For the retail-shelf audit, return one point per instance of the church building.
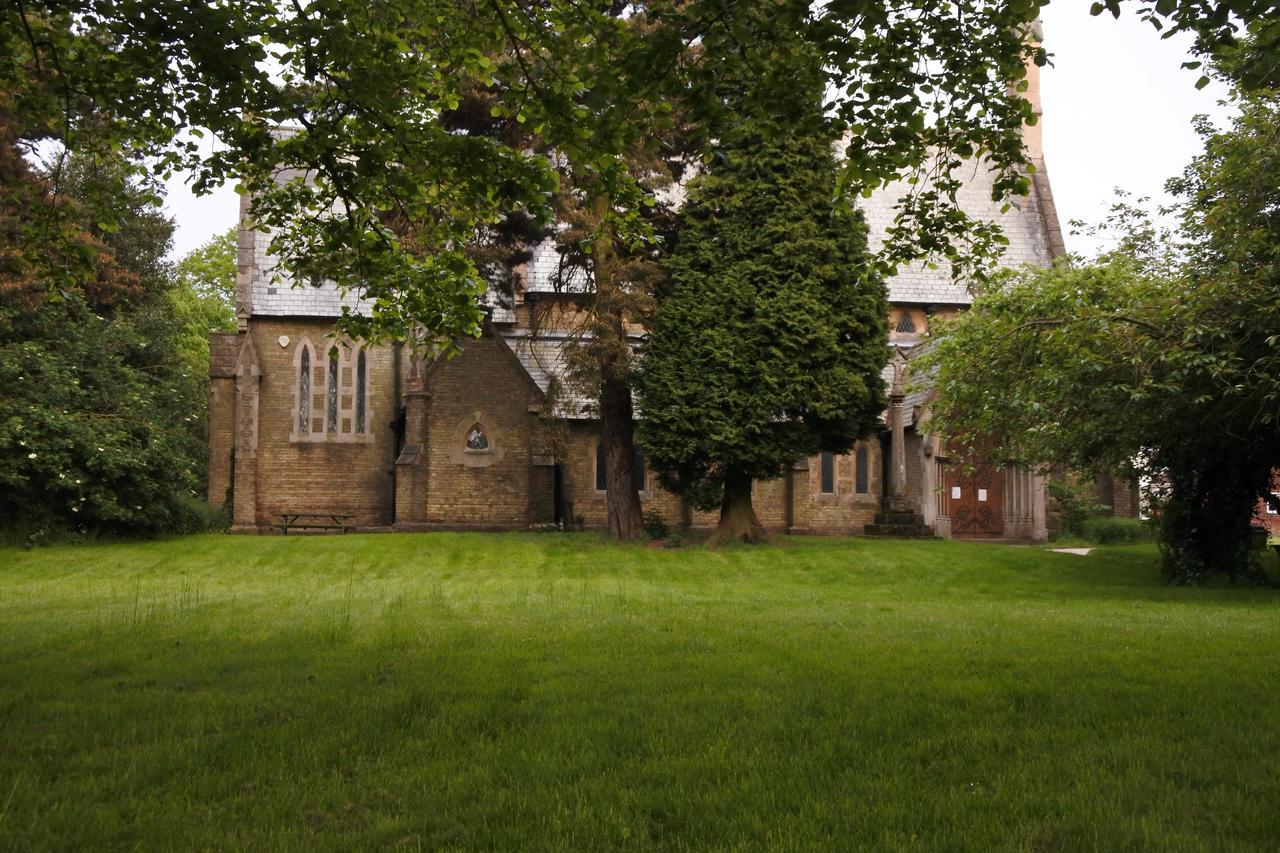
(302, 422)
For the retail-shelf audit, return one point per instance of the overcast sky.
(1117, 113)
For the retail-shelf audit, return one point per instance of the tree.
(362, 86)
(1161, 355)
(203, 297)
(769, 342)
(101, 416)
(345, 107)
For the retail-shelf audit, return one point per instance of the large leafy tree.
(203, 296)
(1161, 355)
(378, 184)
(101, 415)
(769, 342)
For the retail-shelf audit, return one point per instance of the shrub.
(1073, 504)
(1117, 531)
(198, 516)
(655, 525)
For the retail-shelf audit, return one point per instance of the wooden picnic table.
(313, 521)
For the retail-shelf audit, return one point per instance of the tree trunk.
(616, 417)
(738, 522)
(618, 428)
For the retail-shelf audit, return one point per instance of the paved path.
(1079, 552)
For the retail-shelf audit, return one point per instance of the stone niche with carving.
(475, 442)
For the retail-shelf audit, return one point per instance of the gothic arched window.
(304, 390)
(602, 474)
(827, 474)
(637, 469)
(862, 475)
(331, 400)
(905, 324)
(602, 471)
(362, 390)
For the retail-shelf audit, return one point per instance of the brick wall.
(222, 437)
(485, 386)
(578, 475)
(845, 511)
(223, 348)
(1118, 493)
(348, 476)
(915, 468)
(1124, 498)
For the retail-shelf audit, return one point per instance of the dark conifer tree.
(769, 343)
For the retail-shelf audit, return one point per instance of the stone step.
(899, 531)
(899, 518)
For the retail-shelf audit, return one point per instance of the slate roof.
(543, 271)
(1022, 224)
(544, 356)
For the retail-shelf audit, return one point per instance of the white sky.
(1117, 113)
(1117, 110)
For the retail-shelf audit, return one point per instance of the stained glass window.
(861, 476)
(304, 391)
(476, 439)
(828, 474)
(331, 407)
(362, 379)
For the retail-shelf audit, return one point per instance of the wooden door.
(975, 500)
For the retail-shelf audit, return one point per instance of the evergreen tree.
(769, 344)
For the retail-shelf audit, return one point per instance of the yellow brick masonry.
(507, 486)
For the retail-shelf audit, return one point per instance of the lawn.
(557, 692)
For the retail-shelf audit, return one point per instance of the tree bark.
(618, 427)
(738, 522)
(617, 421)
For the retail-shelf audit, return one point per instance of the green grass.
(557, 692)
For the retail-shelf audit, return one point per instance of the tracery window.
(861, 476)
(905, 324)
(304, 390)
(362, 391)
(827, 474)
(331, 401)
